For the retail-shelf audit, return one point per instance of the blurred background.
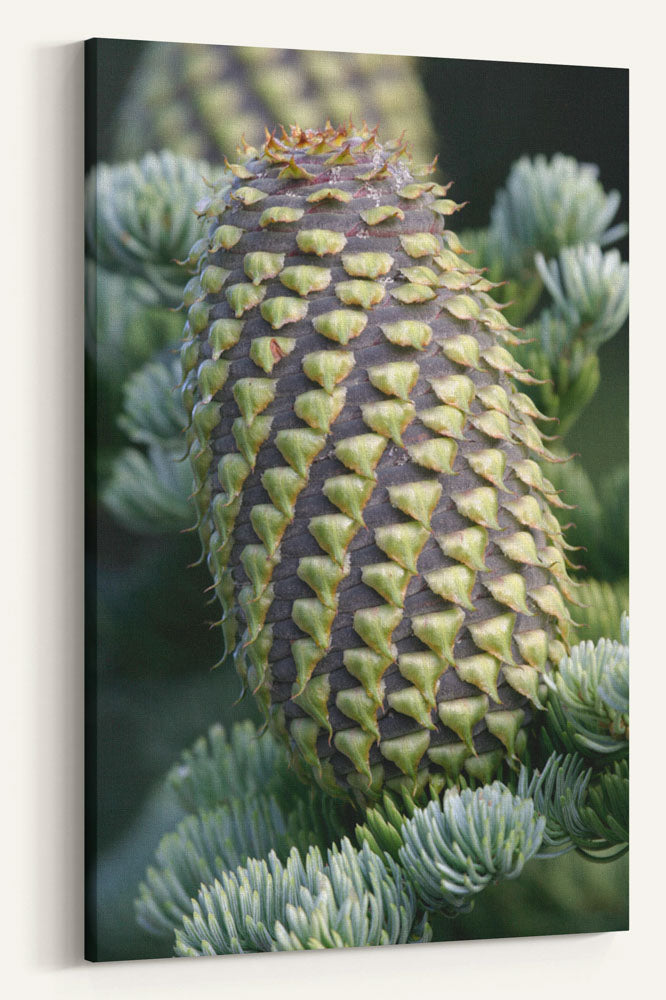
(150, 688)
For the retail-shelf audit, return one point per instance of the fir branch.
(454, 850)
(140, 220)
(547, 229)
(248, 803)
(148, 493)
(590, 292)
(117, 339)
(203, 847)
(153, 412)
(354, 900)
(600, 606)
(548, 205)
(606, 814)
(558, 793)
(578, 712)
(223, 766)
(614, 684)
(584, 811)
(382, 827)
(246, 763)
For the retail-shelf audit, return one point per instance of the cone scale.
(377, 527)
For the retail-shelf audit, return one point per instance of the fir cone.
(379, 532)
(198, 99)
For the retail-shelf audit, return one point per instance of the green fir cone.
(380, 534)
(199, 100)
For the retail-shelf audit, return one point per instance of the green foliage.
(548, 226)
(247, 763)
(353, 900)
(548, 205)
(600, 606)
(244, 802)
(590, 302)
(382, 827)
(126, 326)
(222, 767)
(586, 812)
(614, 497)
(121, 332)
(204, 846)
(597, 526)
(140, 220)
(153, 412)
(607, 815)
(148, 493)
(454, 850)
(589, 705)
(558, 793)
(590, 291)
(614, 683)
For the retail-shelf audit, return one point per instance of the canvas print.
(357, 479)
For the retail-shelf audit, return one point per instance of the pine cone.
(376, 523)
